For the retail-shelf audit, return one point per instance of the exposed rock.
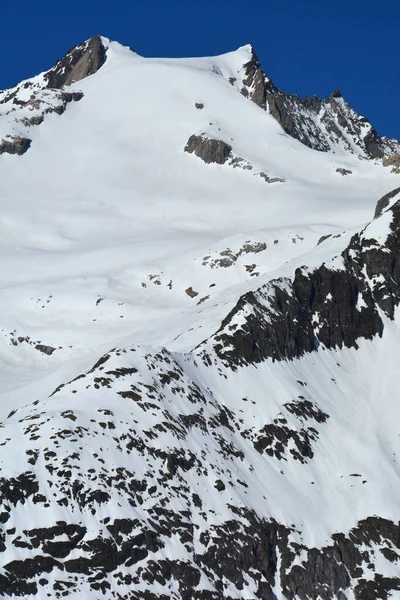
(279, 439)
(79, 62)
(285, 319)
(208, 149)
(343, 171)
(15, 145)
(199, 105)
(45, 349)
(323, 238)
(384, 202)
(237, 162)
(227, 258)
(318, 123)
(36, 120)
(41, 103)
(392, 161)
(190, 292)
(373, 144)
(268, 179)
(250, 268)
(254, 82)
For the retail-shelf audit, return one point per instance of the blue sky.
(306, 47)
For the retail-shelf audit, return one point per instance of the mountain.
(324, 125)
(200, 337)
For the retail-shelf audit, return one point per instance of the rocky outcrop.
(191, 292)
(254, 82)
(15, 145)
(281, 439)
(227, 258)
(385, 201)
(321, 124)
(29, 102)
(79, 62)
(212, 150)
(40, 103)
(328, 306)
(392, 161)
(45, 349)
(208, 149)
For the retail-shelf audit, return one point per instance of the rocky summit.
(200, 336)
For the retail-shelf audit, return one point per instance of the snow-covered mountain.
(200, 336)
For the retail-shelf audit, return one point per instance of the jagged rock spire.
(321, 124)
(254, 84)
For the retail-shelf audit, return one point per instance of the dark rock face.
(191, 292)
(15, 145)
(227, 258)
(326, 306)
(208, 149)
(254, 82)
(323, 574)
(317, 123)
(78, 63)
(384, 202)
(341, 124)
(373, 144)
(45, 349)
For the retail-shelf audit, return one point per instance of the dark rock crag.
(317, 123)
(212, 150)
(327, 306)
(385, 201)
(15, 145)
(79, 62)
(208, 149)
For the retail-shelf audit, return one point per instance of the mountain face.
(325, 125)
(319, 124)
(200, 339)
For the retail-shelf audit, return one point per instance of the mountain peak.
(79, 62)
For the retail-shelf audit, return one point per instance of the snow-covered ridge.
(328, 125)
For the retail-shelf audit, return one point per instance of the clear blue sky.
(307, 47)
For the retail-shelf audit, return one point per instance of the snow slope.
(114, 237)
